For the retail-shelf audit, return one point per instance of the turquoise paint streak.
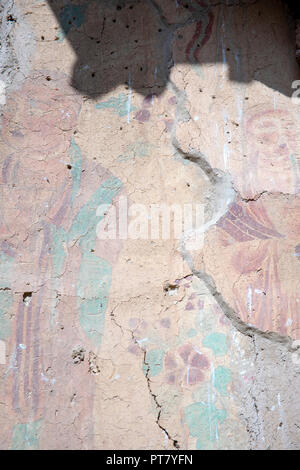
(203, 420)
(59, 238)
(26, 436)
(222, 378)
(6, 301)
(93, 289)
(119, 105)
(95, 273)
(84, 225)
(76, 162)
(139, 149)
(153, 362)
(6, 295)
(217, 343)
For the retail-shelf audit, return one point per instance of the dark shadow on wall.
(137, 42)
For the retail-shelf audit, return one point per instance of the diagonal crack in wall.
(224, 193)
(158, 405)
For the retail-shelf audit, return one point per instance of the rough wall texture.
(147, 344)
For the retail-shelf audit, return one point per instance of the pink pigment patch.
(134, 349)
(165, 322)
(143, 115)
(184, 352)
(172, 100)
(192, 296)
(133, 322)
(168, 124)
(170, 362)
(200, 361)
(189, 306)
(194, 376)
(171, 379)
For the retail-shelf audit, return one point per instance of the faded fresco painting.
(118, 119)
(59, 257)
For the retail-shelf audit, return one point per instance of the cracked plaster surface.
(143, 344)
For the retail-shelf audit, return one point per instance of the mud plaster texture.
(147, 344)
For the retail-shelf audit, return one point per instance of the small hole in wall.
(27, 297)
(42, 38)
(48, 78)
(11, 18)
(170, 289)
(69, 167)
(93, 74)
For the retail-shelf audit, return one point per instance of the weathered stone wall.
(147, 343)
